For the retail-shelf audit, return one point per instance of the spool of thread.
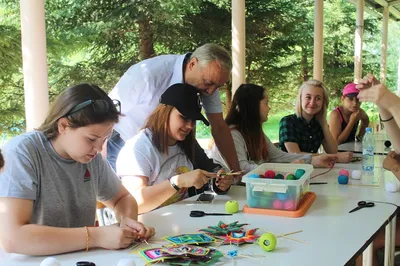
(356, 174)
(267, 241)
(126, 262)
(279, 176)
(343, 180)
(231, 206)
(50, 261)
(387, 143)
(344, 172)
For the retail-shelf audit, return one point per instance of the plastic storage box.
(277, 194)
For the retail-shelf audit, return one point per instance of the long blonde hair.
(312, 83)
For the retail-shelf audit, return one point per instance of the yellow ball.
(231, 206)
(267, 242)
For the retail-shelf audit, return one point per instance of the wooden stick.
(231, 173)
(288, 234)
(295, 240)
(363, 185)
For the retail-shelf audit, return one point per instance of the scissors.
(201, 214)
(362, 204)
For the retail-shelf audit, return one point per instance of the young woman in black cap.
(164, 164)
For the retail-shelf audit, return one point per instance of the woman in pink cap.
(344, 120)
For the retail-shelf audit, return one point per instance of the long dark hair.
(244, 115)
(158, 123)
(72, 97)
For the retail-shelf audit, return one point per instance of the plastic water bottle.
(368, 144)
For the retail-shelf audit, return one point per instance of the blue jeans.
(114, 146)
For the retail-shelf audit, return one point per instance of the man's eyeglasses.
(99, 106)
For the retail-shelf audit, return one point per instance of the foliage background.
(97, 41)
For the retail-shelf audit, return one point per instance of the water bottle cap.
(368, 129)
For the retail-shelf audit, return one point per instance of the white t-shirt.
(139, 157)
(140, 88)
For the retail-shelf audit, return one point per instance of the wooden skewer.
(295, 240)
(288, 234)
(363, 185)
(231, 173)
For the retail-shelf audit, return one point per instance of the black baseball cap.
(186, 99)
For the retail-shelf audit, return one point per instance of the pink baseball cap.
(350, 90)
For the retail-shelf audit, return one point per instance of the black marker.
(318, 183)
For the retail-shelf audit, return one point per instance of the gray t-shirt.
(64, 191)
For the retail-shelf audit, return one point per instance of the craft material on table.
(223, 229)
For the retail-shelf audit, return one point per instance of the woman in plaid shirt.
(307, 129)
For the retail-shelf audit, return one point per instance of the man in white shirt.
(141, 87)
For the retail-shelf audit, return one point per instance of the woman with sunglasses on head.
(55, 175)
(307, 129)
(163, 164)
(248, 111)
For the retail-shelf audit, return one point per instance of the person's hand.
(113, 236)
(355, 116)
(390, 162)
(321, 118)
(324, 160)
(344, 157)
(367, 82)
(143, 231)
(371, 90)
(196, 178)
(223, 182)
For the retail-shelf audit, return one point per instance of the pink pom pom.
(289, 205)
(277, 204)
(344, 172)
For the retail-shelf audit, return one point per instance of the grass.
(271, 127)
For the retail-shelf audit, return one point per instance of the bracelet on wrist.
(87, 238)
(385, 120)
(173, 184)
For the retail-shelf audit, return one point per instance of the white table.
(335, 236)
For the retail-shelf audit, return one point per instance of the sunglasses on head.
(99, 106)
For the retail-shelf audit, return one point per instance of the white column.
(398, 76)
(358, 41)
(238, 44)
(33, 42)
(318, 39)
(385, 22)
(367, 256)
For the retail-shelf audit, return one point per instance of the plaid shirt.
(308, 136)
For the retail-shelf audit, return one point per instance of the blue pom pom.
(299, 173)
(343, 180)
(281, 196)
(253, 175)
